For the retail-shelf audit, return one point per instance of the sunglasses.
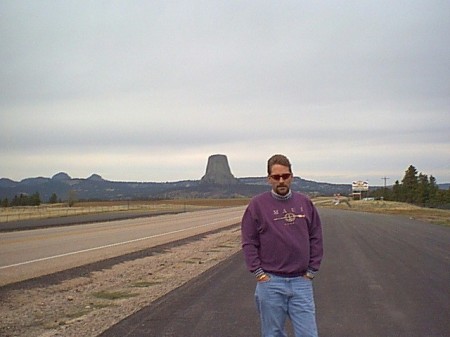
(277, 177)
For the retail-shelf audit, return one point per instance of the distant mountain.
(93, 187)
(305, 186)
(95, 177)
(218, 182)
(5, 182)
(96, 188)
(444, 186)
(61, 176)
(218, 171)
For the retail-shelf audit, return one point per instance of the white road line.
(113, 244)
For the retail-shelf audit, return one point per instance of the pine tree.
(409, 185)
(423, 190)
(34, 200)
(72, 198)
(53, 199)
(433, 192)
(397, 191)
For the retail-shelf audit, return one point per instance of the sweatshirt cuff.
(311, 271)
(258, 272)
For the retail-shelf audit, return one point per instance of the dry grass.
(432, 215)
(436, 216)
(91, 207)
(178, 202)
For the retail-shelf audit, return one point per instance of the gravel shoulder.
(85, 302)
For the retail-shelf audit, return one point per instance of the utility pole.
(384, 191)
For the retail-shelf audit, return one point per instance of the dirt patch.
(88, 305)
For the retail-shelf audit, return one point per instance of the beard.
(282, 189)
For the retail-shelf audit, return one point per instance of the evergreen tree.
(25, 200)
(409, 185)
(53, 199)
(397, 191)
(443, 199)
(433, 192)
(72, 198)
(423, 190)
(18, 200)
(420, 190)
(34, 200)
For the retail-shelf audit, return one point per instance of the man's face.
(280, 178)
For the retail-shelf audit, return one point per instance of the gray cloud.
(348, 89)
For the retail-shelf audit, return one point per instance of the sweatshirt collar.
(281, 197)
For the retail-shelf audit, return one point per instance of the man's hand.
(309, 275)
(263, 278)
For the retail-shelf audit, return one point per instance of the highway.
(382, 275)
(32, 253)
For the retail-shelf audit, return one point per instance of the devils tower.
(218, 171)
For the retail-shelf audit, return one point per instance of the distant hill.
(218, 182)
(444, 186)
(97, 188)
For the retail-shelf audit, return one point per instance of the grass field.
(431, 215)
(157, 206)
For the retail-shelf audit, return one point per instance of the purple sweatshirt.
(282, 236)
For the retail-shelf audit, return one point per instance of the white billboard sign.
(359, 186)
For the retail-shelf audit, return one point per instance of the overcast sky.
(148, 90)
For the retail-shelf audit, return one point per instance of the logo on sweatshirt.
(288, 216)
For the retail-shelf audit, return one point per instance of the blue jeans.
(283, 297)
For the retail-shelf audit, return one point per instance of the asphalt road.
(29, 254)
(382, 275)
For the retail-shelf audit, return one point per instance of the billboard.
(359, 186)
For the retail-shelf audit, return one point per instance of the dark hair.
(280, 160)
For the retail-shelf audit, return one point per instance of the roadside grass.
(208, 202)
(225, 246)
(193, 261)
(73, 315)
(432, 215)
(113, 295)
(45, 211)
(145, 284)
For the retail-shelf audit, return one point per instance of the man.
(282, 245)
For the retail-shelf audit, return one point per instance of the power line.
(384, 190)
(385, 178)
